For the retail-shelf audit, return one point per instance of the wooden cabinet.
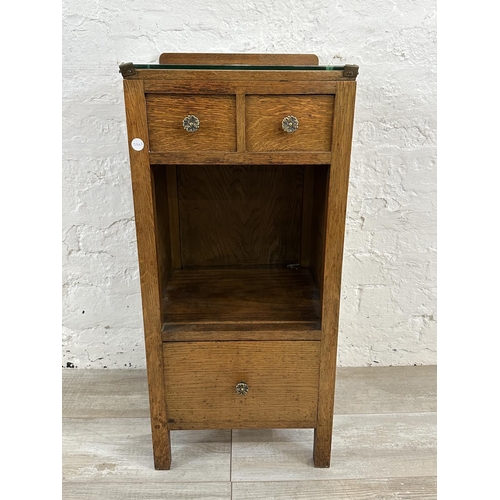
(240, 177)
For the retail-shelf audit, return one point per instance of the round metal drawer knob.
(242, 388)
(290, 124)
(191, 123)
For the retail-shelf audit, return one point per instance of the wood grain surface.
(239, 215)
(233, 75)
(217, 115)
(201, 379)
(237, 158)
(264, 115)
(172, 196)
(264, 331)
(233, 295)
(243, 86)
(163, 220)
(318, 223)
(147, 248)
(240, 122)
(338, 182)
(307, 217)
(251, 59)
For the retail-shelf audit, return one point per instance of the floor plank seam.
(353, 479)
(195, 481)
(389, 478)
(385, 413)
(231, 459)
(427, 412)
(336, 414)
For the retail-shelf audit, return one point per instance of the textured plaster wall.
(388, 313)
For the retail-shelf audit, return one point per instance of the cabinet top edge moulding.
(240, 170)
(274, 67)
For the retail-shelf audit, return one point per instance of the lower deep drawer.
(201, 380)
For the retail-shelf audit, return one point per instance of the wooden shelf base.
(240, 304)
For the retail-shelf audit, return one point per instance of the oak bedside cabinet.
(240, 170)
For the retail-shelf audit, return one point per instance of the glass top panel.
(238, 67)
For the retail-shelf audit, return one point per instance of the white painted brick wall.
(388, 314)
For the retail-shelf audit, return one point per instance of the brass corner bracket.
(127, 69)
(351, 71)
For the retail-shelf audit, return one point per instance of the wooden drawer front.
(201, 377)
(217, 116)
(264, 116)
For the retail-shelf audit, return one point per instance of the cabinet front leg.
(322, 444)
(162, 451)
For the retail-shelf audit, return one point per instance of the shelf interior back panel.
(240, 215)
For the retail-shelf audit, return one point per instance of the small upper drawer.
(264, 122)
(214, 129)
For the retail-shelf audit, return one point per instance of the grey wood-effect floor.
(384, 444)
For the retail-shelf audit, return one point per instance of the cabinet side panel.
(307, 210)
(338, 182)
(240, 215)
(173, 212)
(162, 225)
(318, 224)
(145, 218)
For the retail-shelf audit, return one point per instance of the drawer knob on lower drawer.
(242, 388)
(290, 124)
(191, 123)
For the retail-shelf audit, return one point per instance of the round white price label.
(137, 144)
